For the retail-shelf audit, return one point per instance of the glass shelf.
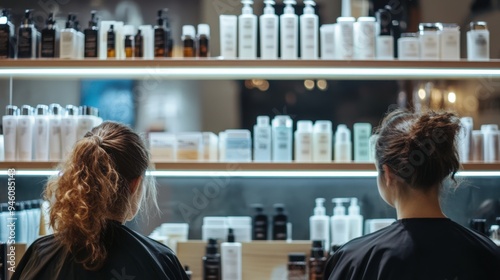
(258, 170)
(219, 69)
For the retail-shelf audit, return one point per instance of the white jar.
(478, 41)
(449, 36)
(429, 41)
(408, 47)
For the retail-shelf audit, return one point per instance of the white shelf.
(218, 69)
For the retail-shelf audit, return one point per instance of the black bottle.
(111, 41)
(7, 36)
(260, 223)
(161, 35)
(317, 261)
(50, 36)
(139, 44)
(479, 225)
(92, 38)
(280, 220)
(28, 37)
(212, 262)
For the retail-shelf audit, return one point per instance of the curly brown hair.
(94, 188)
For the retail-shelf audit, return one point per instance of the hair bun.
(440, 128)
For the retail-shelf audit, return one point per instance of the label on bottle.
(346, 40)
(91, 43)
(279, 230)
(211, 269)
(385, 47)
(5, 41)
(429, 46)
(269, 38)
(48, 44)
(160, 42)
(68, 44)
(139, 47)
(309, 37)
(305, 144)
(365, 40)
(317, 269)
(327, 45)
(25, 43)
(260, 229)
(111, 40)
(408, 48)
(481, 45)
(247, 38)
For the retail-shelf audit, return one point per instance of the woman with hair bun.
(415, 153)
(102, 185)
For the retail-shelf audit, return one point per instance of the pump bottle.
(231, 258)
(247, 33)
(69, 40)
(50, 36)
(41, 133)
(355, 220)
(7, 36)
(25, 124)
(188, 39)
(317, 261)
(161, 35)
(269, 32)
(260, 223)
(339, 222)
(28, 37)
(319, 224)
(309, 29)
(289, 26)
(91, 48)
(280, 220)
(55, 111)
(212, 262)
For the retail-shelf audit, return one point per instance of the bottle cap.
(354, 207)
(93, 19)
(50, 20)
(426, 27)
(409, 35)
(42, 110)
(478, 25)
(320, 210)
(204, 29)
(367, 19)
(288, 7)
(346, 19)
(280, 207)
(259, 208)
(317, 249)
(4, 207)
(304, 126)
(343, 134)
(230, 235)
(129, 40)
(55, 109)
(296, 257)
(211, 246)
(309, 8)
(11, 110)
(188, 31)
(282, 120)
(35, 204)
(26, 110)
(247, 9)
(71, 110)
(323, 126)
(339, 209)
(262, 121)
(269, 9)
(85, 110)
(19, 206)
(449, 26)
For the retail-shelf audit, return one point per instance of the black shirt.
(130, 256)
(417, 249)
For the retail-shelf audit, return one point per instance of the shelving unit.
(219, 69)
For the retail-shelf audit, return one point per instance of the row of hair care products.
(479, 145)
(45, 133)
(20, 221)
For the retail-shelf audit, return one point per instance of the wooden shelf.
(221, 166)
(220, 69)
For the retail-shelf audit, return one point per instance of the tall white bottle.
(319, 224)
(309, 30)
(269, 32)
(25, 123)
(86, 121)
(69, 40)
(322, 141)
(247, 32)
(355, 220)
(304, 141)
(41, 133)
(231, 258)
(339, 222)
(343, 144)
(289, 27)
(55, 111)
(282, 139)
(9, 123)
(262, 140)
(69, 125)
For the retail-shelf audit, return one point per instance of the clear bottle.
(343, 144)
(322, 141)
(69, 125)
(41, 133)
(289, 26)
(280, 220)
(262, 140)
(304, 141)
(297, 266)
(339, 222)
(9, 124)
(355, 220)
(317, 261)
(478, 41)
(309, 29)
(25, 124)
(7, 36)
(319, 224)
(91, 34)
(429, 41)
(259, 223)
(50, 39)
(28, 37)
(55, 111)
(188, 39)
(203, 49)
(231, 258)
(212, 262)
(247, 33)
(282, 139)
(269, 32)
(362, 133)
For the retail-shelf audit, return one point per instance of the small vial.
(129, 46)
(188, 37)
(111, 42)
(139, 44)
(203, 40)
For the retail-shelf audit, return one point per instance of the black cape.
(417, 249)
(131, 256)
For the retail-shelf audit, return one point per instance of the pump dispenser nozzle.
(309, 8)
(269, 9)
(339, 208)
(320, 210)
(288, 6)
(354, 207)
(247, 9)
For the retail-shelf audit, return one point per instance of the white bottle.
(429, 41)
(41, 133)
(4, 215)
(465, 138)
(408, 47)
(231, 258)
(269, 32)
(344, 38)
(55, 111)
(21, 216)
(25, 124)
(282, 139)
(222, 146)
(322, 141)
(289, 30)
(69, 125)
(304, 141)
(9, 123)
(478, 41)
(319, 224)
(449, 36)
(238, 145)
(309, 29)
(355, 220)
(69, 40)
(247, 32)
(262, 140)
(343, 144)
(362, 133)
(364, 38)
(339, 222)
(86, 121)
(490, 142)
(327, 36)
(228, 36)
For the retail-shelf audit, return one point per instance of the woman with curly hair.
(101, 186)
